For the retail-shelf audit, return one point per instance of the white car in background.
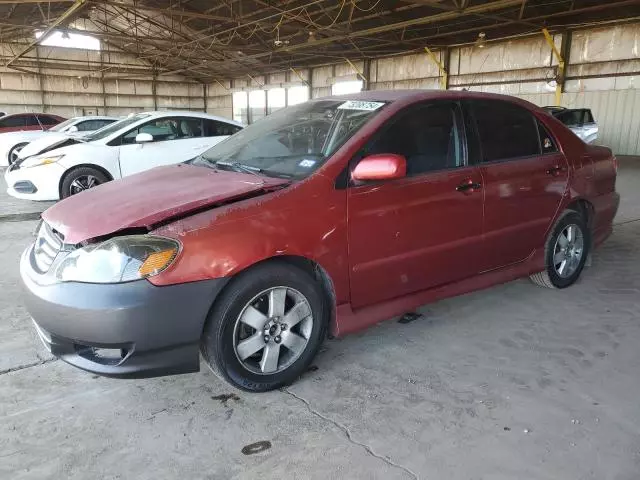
(134, 144)
(12, 143)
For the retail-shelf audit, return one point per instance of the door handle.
(469, 186)
(555, 171)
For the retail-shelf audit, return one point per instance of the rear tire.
(246, 328)
(566, 251)
(80, 179)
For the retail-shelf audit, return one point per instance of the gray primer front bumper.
(158, 329)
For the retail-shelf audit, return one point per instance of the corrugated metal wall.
(71, 91)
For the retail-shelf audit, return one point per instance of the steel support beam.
(561, 65)
(444, 74)
(357, 70)
(65, 17)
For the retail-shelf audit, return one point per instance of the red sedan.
(28, 121)
(325, 217)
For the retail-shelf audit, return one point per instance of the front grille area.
(48, 244)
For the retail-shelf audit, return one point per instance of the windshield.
(114, 127)
(62, 125)
(292, 142)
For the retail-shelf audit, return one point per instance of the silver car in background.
(579, 120)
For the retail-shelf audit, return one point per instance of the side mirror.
(384, 166)
(73, 129)
(144, 138)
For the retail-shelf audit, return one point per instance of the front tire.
(566, 252)
(80, 179)
(266, 327)
(13, 153)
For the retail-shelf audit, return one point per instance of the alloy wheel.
(273, 330)
(84, 182)
(568, 251)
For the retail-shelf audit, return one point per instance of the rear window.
(32, 121)
(91, 125)
(570, 117)
(588, 117)
(47, 120)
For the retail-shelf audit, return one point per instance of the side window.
(164, 129)
(189, 127)
(47, 120)
(506, 131)
(547, 143)
(214, 128)
(12, 122)
(427, 136)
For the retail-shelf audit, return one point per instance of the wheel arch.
(13, 147)
(314, 269)
(585, 208)
(100, 169)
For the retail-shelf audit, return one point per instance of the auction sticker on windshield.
(360, 105)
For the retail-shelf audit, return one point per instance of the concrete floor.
(511, 382)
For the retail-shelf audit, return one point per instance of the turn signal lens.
(156, 262)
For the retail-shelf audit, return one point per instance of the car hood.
(149, 198)
(47, 142)
(17, 136)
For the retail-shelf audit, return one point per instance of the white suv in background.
(132, 145)
(12, 143)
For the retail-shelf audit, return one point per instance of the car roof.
(94, 117)
(187, 113)
(410, 96)
(22, 114)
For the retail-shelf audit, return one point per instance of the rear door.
(424, 230)
(525, 177)
(175, 140)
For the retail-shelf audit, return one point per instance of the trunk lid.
(151, 197)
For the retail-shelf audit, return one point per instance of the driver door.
(175, 140)
(424, 230)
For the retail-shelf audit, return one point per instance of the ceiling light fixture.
(481, 41)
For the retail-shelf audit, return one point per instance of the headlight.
(118, 260)
(37, 161)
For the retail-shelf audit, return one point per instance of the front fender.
(306, 220)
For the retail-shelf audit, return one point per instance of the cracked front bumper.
(131, 329)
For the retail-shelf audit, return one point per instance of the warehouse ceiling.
(215, 40)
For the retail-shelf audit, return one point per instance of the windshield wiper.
(241, 167)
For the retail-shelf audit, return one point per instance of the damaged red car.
(321, 219)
